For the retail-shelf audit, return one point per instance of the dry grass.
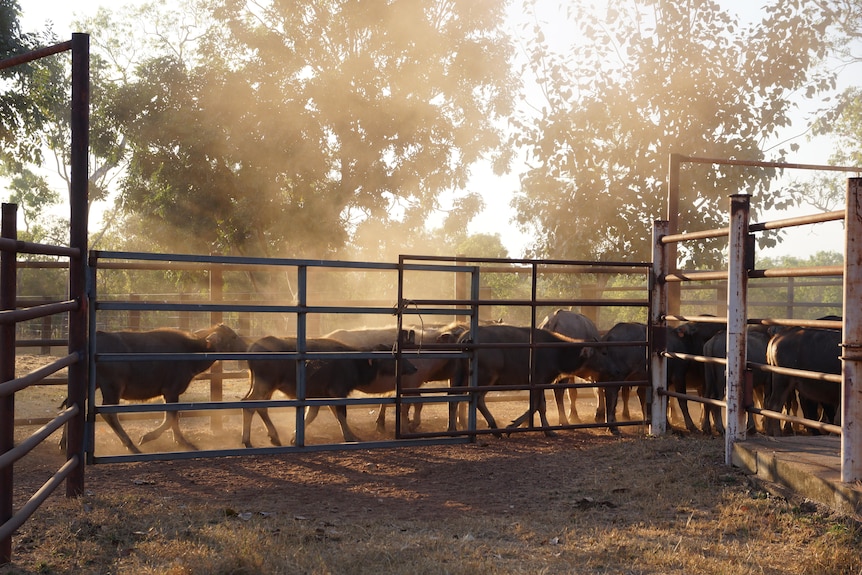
(638, 505)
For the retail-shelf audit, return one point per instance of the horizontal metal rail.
(797, 221)
(18, 315)
(38, 437)
(819, 425)
(832, 378)
(29, 508)
(761, 164)
(35, 55)
(19, 383)
(18, 246)
(815, 323)
(797, 272)
(704, 234)
(202, 262)
(438, 439)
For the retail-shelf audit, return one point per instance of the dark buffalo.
(616, 364)
(576, 326)
(715, 375)
(683, 375)
(809, 349)
(143, 380)
(325, 378)
(511, 366)
(427, 369)
(621, 363)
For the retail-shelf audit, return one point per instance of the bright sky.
(496, 191)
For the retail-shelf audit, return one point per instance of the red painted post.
(78, 212)
(851, 389)
(8, 286)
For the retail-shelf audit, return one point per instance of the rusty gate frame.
(740, 269)
(76, 306)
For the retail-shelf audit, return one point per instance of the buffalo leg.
(380, 422)
(486, 413)
(777, 399)
(573, 406)
(114, 422)
(172, 421)
(601, 408)
(537, 403)
(340, 412)
(612, 393)
(559, 398)
(414, 424)
(248, 415)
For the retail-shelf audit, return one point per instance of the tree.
(294, 123)
(646, 79)
(15, 114)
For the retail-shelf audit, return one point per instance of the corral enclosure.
(422, 296)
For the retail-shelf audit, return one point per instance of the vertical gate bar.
(534, 397)
(301, 327)
(8, 286)
(399, 325)
(473, 361)
(92, 298)
(737, 290)
(657, 312)
(851, 389)
(78, 215)
(216, 369)
(460, 287)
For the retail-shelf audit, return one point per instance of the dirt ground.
(435, 480)
(581, 502)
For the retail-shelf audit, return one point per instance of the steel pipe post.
(851, 389)
(737, 297)
(658, 310)
(78, 216)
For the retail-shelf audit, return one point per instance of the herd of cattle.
(565, 345)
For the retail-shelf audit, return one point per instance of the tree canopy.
(643, 79)
(285, 129)
(322, 128)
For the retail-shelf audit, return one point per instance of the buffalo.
(715, 375)
(332, 378)
(809, 349)
(143, 380)
(576, 326)
(511, 366)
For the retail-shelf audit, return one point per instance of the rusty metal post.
(737, 296)
(78, 216)
(658, 309)
(851, 388)
(8, 286)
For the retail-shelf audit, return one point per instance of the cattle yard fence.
(75, 307)
(740, 270)
(656, 300)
